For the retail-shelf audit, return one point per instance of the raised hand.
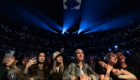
(31, 62)
(9, 62)
(116, 72)
(108, 68)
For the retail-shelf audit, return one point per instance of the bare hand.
(83, 77)
(108, 68)
(9, 62)
(116, 72)
(24, 61)
(89, 78)
(31, 62)
(31, 78)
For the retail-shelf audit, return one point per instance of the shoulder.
(131, 66)
(20, 67)
(101, 63)
(72, 64)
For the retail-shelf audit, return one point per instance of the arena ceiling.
(72, 16)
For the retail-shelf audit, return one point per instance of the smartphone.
(9, 54)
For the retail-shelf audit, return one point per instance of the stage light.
(116, 46)
(79, 31)
(62, 32)
(109, 49)
(109, 22)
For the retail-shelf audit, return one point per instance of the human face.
(59, 59)
(41, 57)
(121, 57)
(112, 58)
(79, 55)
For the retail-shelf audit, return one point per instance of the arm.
(67, 73)
(30, 63)
(101, 63)
(136, 73)
(127, 75)
(108, 68)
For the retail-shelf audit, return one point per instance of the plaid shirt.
(74, 70)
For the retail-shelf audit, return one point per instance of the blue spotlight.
(124, 22)
(79, 31)
(64, 29)
(109, 49)
(55, 32)
(116, 46)
(63, 32)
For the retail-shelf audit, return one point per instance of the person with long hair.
(34, 69)
(57, 69)
(107, 72)
(126, 66)
(79, 70)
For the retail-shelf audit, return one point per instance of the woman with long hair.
(57, 69)
(34, 69)
(107, 72)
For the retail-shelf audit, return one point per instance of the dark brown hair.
(35, 67)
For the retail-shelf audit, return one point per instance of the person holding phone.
(34, 69)
(108, 72)
(10, 64)
(79, 70)
(57, 68)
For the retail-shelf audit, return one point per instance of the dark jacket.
(54, 76)
(4, 71)
(27, 76)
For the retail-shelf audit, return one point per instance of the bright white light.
(116, 46)
(109, 49)
(79, 31)
(62, 32)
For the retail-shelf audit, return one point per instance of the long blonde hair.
(53, 70)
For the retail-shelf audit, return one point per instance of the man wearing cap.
(79, 70)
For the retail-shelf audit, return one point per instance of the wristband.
(107, 75)
(121, 76)
(74, 77)
(112, 69)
